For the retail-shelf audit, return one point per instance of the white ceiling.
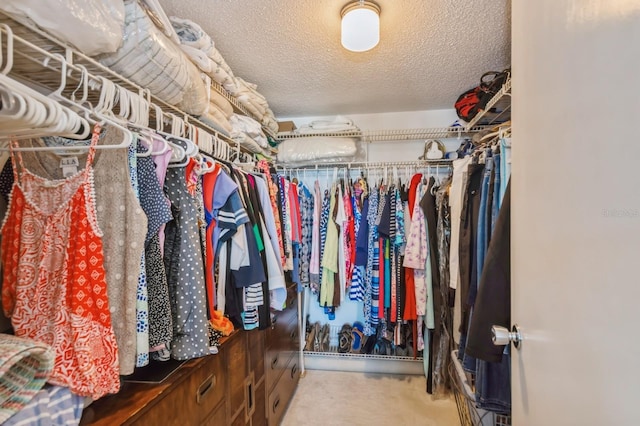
(430, 51)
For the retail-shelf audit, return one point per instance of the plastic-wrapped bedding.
(319, 149)
(93, 26)
(150, 59)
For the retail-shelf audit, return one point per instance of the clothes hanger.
(35, 114)
(40, 112)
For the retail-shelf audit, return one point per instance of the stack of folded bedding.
(150, 59)
(199, 46)
(218, 113)
(248, 132)
(215, 118)
(222, 103)
(338, 124)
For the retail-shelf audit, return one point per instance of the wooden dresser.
(282, 362)
(249, 382)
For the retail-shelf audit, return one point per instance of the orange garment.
(54, 279)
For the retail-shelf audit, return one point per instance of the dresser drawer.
(275, 363)
(281, 395)
(196, 397)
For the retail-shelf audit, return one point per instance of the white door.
(576, 212)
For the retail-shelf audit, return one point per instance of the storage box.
(286, 126)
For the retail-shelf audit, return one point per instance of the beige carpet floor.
(327, 398)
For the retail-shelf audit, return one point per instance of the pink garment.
(162, 162)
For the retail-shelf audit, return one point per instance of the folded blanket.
(249, 143)
(315, 148)
(221, 102)
(250, 127)
(216, 119)
(25, 366)
(269, 121)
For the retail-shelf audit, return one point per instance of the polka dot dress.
(185, 271)
(158, 213)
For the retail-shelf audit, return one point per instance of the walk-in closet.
(323, 212)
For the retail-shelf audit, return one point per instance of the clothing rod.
(367, 165)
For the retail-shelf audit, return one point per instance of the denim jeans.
(483, 232)
(493, 385)
(468, 362)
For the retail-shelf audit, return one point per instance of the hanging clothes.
(123, 224)
(48, 219)
(158, 208)
(158, 212)
(185, 271)
(142, 303)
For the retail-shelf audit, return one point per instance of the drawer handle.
(208, 384)
(274, 362)
(275, 404)
(294, 370)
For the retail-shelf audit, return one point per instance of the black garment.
(468, 236)
(265, 309)
(428, 206)
(493, 303)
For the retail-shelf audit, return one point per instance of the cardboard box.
(286, 126)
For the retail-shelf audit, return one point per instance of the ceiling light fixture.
(360, 26)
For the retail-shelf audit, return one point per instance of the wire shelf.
(391, 135)
(38, 59)
(501, 100)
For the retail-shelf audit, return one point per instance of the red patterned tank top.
(54, 280)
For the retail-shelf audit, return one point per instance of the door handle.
(501, 336)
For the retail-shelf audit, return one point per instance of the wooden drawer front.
(259, 417)
(189, 402)
(292, 374)
(275, 363)
(293, 336)
(218, 417)
(276, 405)
(235, 352)
(280, 397)
(256, 353)
(211, 390)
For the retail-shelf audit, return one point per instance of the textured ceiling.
(429, 52)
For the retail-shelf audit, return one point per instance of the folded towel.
(25, 366)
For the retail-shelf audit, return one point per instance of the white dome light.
(360, 26)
